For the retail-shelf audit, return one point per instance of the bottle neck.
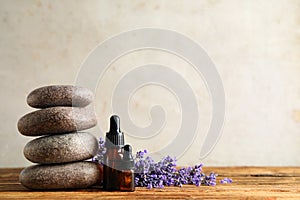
(114, 139)
(114, 152)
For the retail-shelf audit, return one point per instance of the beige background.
(254, 44)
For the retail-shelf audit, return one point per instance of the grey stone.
(61, 148)
(60, 95)
(61, 176)
(56, 120)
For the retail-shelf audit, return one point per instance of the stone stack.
(62, 147)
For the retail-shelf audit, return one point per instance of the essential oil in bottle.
(114, 155)
(126, 176)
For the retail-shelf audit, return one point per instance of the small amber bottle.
(114, 155)
(126, 176)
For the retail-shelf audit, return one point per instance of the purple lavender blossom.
(101, 151)
(164, 173)
(226, 181)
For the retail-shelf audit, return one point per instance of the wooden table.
(249, 183)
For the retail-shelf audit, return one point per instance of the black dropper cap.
(128, 162)
(115, 136)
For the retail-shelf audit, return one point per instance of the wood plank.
(249, 182)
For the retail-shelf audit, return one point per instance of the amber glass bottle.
(126, 176)
(114, 155)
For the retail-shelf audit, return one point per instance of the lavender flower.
(226, 181)
(164, 173)
(101, 151)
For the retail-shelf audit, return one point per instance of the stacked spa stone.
(62, 148)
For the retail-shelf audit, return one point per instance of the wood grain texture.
(249, 183)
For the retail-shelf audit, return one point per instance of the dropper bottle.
(127, 173)
(114, 155)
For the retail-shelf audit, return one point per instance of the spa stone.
(56, 120)
(63, 148)
(61, 176)
(60, 95)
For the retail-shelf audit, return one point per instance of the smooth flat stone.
(60, 95)
(61, 148)
(56, 120)
(61, 176)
